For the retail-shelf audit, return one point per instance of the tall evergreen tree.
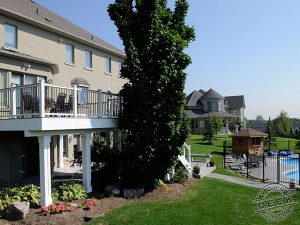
(153, 99)
(270, 140)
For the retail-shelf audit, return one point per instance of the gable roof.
(30, 12)
(191, 99)
(235, 101)
(211, 94)
(202, 91)
(249, 132)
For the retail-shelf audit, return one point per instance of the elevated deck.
(45, 107)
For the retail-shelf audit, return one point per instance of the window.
(70, 53)
(202, 125)
(10, 36)
(209, 106)
(215, 106)
(107, 65)
(88, 59)
(119, 68)
(256, 141)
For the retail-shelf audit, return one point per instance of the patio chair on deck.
(27, 102)
(60, 103)
(30, 104)
(69, 106)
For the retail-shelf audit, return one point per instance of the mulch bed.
(103, 205)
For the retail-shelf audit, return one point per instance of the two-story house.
(201, 105)
(59, 84)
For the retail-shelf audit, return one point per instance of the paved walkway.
(236, 180)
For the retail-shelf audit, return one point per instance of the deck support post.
(45, 170)
(61, 152)
(86, 162)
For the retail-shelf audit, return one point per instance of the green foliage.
(55, 195)
(233, 123)
(212, 127)
(8, 195)
(282, 124)
(217, 123)
(181, 174)
(106, 166)
(154, 37)
(270, 140)
(159, 184)
(106, 163)
(70, 192)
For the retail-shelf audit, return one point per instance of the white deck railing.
(47, 100)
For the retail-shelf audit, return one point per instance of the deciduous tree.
(155, 38)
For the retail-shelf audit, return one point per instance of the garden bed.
(103, 205)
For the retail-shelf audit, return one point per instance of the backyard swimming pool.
(294, 163)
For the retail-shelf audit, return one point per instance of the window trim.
(16, 33)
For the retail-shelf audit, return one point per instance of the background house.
(200, 105)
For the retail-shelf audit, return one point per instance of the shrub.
(181, 174)
(74, 191)
(28, 193)
(159, 184)
(211, 163)
(106, 163)
(55, 195)
(196, 170)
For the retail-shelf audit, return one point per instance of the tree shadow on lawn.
(217, 153)
(204, 143)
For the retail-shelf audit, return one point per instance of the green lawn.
(209, 201)
(284, 143)
(198, 146)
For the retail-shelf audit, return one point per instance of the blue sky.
(249, 47)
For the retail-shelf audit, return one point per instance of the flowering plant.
(56, 208)
(90, 203)
(50, 103)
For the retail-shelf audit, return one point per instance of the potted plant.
(211, 163)
(196, 172)
(49, 104)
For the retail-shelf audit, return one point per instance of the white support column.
(61, 152)
(42, 98)
(13, 103)
(75, 101)
(45, 170)
(86, 161)
(99, 103)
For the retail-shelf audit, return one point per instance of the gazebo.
(248, 141)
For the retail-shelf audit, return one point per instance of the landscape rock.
(17, 211)
(131, 193)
